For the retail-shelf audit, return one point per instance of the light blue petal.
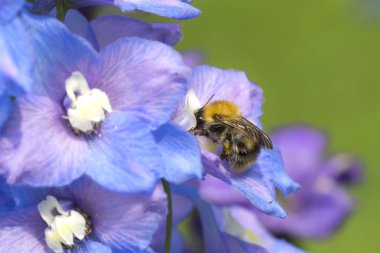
(231, 85)
(145, 77)
(9, 8)
(23, 232)
(180, 153)
(124, 156)
(253, 183)
(271, 165)
(90, 246)
(60, 53)
(168, 8)
(37, 147)
(124, 222)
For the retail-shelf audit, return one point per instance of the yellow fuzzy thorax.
(223, 108)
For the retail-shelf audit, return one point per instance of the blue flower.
(176, 145)
(319, 209)
(176, 9)
(258, 183)
(83, 216)
(94, 114)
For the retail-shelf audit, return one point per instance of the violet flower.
(94, 114)
(257, 183)
(83, 217)
(322, 205)
(176, 9)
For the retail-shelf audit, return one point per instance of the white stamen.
(63, 226)
(88, 106)
(186, 118)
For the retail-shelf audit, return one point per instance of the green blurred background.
(318, 63)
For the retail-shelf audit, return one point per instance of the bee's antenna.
(208, 101)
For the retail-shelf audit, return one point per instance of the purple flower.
(258, 183)
(322, 204)
(94, 114)
(176, 9)
(82, 217)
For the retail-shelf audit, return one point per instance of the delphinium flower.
(15, 55)
(176, 9)
(258, 182)
(176, 145)
(94, 114)
(82, 217)
(322, 205)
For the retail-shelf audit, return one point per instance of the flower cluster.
(97, 152)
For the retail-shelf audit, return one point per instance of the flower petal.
(108, 29)
(23, 232)
(251, 227)
(306, 209)
(229, 85)
(150, 75)
(271, 165)
(38, 148)
(302, 149)
(215, 239)
(9, 8)
(5, 107)
(253, 183)
(16, 57)
(176, 9)
(90, 246)
(121, 221)
(344, 168)
(124, 157)
(60, 53)
(180, 153)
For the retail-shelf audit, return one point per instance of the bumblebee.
(221, 121)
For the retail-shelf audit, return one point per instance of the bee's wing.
(247, 128)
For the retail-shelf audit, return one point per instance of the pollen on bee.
(223, 108)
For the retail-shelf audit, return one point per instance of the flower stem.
(61, 10)
(169, 217)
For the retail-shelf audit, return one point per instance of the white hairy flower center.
(63, 225)
(88, 106)
(186, 119)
